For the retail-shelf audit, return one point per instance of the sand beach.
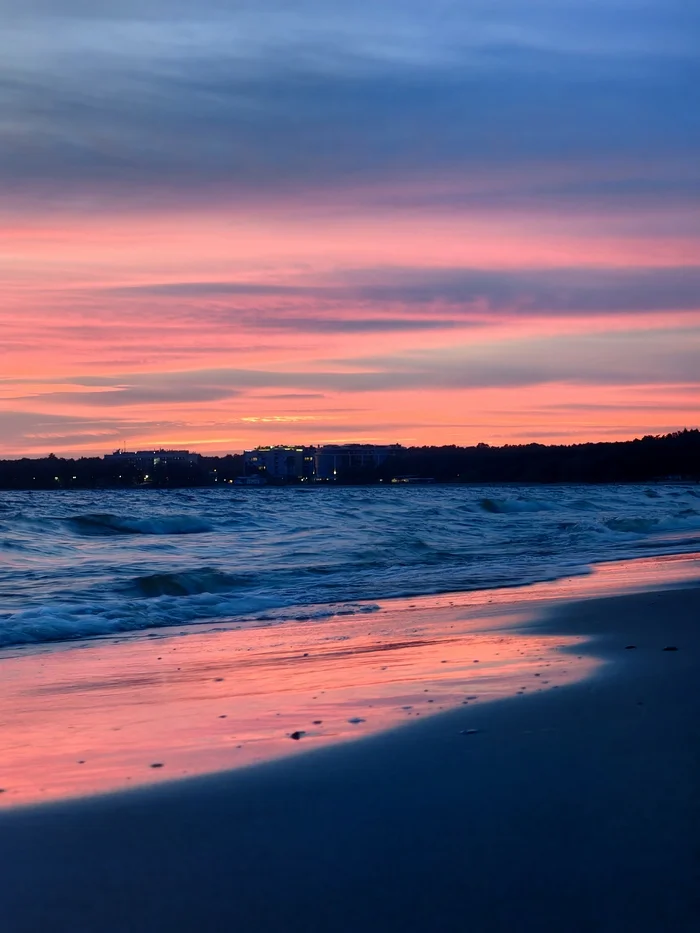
(573, 808)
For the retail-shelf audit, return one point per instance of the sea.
(84, 564)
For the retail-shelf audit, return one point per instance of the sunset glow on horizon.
(224, 225)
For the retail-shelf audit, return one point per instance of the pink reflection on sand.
(97, 716)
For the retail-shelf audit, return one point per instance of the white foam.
(110, 561)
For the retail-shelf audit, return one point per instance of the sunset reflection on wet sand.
(107, 714)
(100, 716)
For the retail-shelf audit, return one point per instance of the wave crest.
(184, 583)
(107, 524)
(513, 506)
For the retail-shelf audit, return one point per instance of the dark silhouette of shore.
(649, 459)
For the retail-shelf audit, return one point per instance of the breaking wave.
(187, 583)
(48, 624)
(513, 506)
(102, 563)
(107, 524)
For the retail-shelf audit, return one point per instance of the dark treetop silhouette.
(653, 458)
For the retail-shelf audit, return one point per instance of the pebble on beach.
(297, 735)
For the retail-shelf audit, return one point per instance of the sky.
(225, 224)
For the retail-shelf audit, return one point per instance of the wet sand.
(102, 715)
(76, 720)
(575, 809)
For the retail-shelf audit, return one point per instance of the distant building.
(147, 459)
(320, 463)
(334, 459)
(280, 462)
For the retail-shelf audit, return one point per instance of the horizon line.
(155, 449)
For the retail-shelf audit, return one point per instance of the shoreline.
(532, 591)
(107, 715)
(110, 571)
(572, 811)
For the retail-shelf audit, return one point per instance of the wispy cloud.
(262, 98)
(369, 216)
(558, 291)
(595, 359)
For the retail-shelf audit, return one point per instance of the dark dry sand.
(574, 810)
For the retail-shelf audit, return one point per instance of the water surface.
(78, 564)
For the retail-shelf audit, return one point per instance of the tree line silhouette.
(648, 459)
